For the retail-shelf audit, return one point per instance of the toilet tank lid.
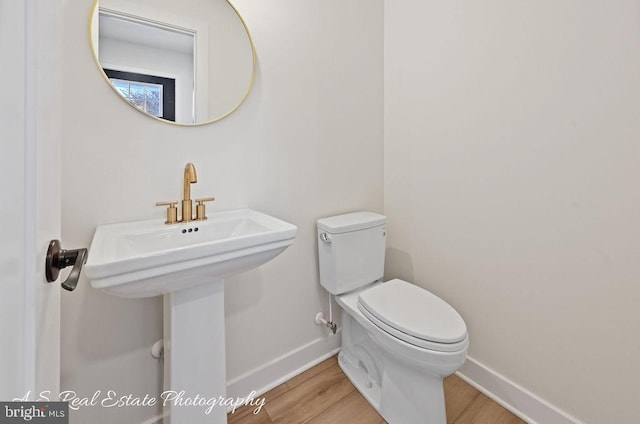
(351, 222)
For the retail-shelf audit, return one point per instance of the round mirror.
(188, 63)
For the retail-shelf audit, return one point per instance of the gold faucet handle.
(172, 211)
(200, 209)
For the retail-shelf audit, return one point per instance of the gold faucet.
(190, 177)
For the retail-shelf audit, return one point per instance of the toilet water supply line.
(321, 320)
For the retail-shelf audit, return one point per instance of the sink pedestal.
(194, 354)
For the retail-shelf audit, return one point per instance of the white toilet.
(398, 340)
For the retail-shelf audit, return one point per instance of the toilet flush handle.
(325, 237)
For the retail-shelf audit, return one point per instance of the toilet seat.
(414, 315)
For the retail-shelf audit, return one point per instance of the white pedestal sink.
(187, 262)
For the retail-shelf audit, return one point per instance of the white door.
(29, 197)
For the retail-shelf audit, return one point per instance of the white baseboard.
(516, 399)
(287, 366)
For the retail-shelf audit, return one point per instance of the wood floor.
(324, 395)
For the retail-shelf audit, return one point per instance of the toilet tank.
(351, 250)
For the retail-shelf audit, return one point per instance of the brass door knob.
(172, 211)
(200, 208)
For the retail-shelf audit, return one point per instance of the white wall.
(511, 169)
(307, 143)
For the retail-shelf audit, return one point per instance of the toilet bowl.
(399, 341)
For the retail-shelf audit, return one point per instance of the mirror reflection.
(188, 63)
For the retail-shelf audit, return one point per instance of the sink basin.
(150, 258)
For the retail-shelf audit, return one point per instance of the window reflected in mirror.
(151, 94)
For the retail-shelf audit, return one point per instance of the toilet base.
(359, 377)
(397, 392)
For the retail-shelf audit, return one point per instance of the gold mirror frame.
(96, 58)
